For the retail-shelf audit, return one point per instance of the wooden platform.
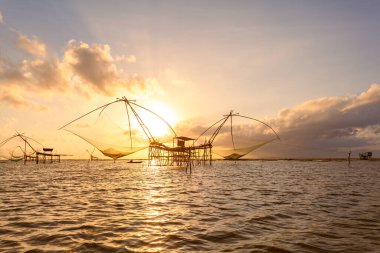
(181, 155)
(43, 157)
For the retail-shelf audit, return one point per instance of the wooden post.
(349, 158)
(210, 155)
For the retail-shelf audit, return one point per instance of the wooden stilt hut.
(30, 153)
(179, 154)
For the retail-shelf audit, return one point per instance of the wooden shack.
(365, 156)
(30, 152)
(180, 153)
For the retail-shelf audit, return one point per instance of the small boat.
(131, 161)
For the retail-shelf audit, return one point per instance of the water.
(271, 206)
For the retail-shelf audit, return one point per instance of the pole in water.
(349, 158)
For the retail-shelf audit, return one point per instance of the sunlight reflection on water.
(264, 206)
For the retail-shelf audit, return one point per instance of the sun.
(156, 126)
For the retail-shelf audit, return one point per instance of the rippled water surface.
(251, 206)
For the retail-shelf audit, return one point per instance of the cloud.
(35, 75)
(329, 114)
(17, 101)
(12, 99)
(322, 127)
(1, 18)
(125, 58)
(93, 64)
(10, 73)
(37, 72)
(146, 86)
(372, 95)
(96, 67)
(330, 126)
(83, 69)
(31, 45)
(46, 74)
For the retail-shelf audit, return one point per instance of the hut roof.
(184, 138)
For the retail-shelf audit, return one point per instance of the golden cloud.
(45, 74)
(31, 45)
(94, 65)
(372, 95)
(10, 73)
(125, 58)
(12, 98)
(84, 69)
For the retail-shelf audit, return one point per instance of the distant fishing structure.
(235, 151)
(92, 157)
(180, 151)
(29, 152)
(365, 156)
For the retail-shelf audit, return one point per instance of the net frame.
(237, 153)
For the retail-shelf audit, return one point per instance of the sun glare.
(158, 127)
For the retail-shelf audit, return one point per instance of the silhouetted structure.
(349, 158)
(183, 151)
(33, 154)
(180, 154)
(365, 156)
(235, 151)
(92, 157)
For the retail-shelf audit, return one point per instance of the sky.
(308, 68)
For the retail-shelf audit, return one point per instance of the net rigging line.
(242, 151)
(27, 143)
(130, 107)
